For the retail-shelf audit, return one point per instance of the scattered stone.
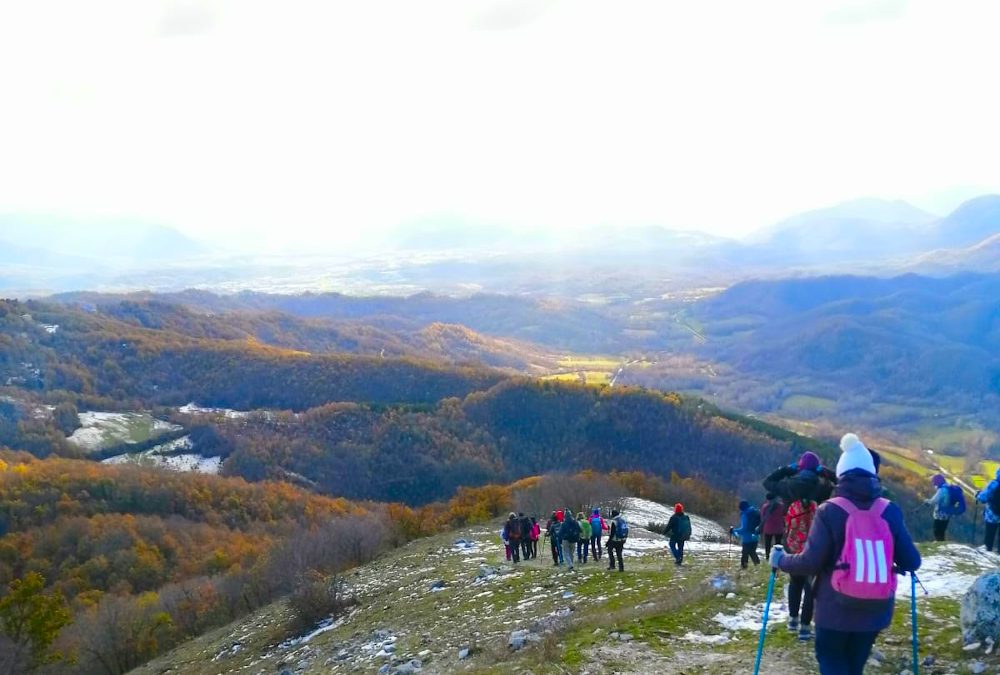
(730, 596)
(977, 668)
(485, 571)
(438, 585)
(384, 670)
(412, 666)
(972, 646)
(626, 637)
(981, 608)
(567, 595)
(464, 653)
(391, 648)
(929, 660)
(518, 640)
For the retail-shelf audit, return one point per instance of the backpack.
(863, 574)
(682, 529)
(956, 500)
(621, 529)
(994, 500)
(513, 530)
(753, 521)
(798, 521)
(595, 526)
(570, 530)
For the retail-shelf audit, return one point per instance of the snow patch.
(194, 409)
(751, 617)
(103, 429)
(949, 571)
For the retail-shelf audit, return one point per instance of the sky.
(337, 123)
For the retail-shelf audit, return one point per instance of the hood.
(859, 486)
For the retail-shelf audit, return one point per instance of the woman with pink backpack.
(855, 547)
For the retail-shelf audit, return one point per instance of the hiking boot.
(793, 624)
(805, 633)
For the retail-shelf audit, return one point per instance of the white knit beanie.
(854, 455)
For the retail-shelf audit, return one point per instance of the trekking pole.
(767, 610)
(913, 620)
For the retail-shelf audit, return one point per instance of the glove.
(776, 555)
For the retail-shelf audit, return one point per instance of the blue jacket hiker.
(940, 501)
(748, 532)
(990, 496)
(851, 609)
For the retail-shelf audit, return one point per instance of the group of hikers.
(833, 531)
(570, 538)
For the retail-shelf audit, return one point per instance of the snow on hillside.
(105, 429)
(194, 409)
(706, 534)
(949, 570)
(168, 456)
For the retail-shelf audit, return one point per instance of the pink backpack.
(864, 567)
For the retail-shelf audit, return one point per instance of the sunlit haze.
(295, 124)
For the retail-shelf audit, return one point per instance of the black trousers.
(769, 541)
(554, 544)
(534, 548)
(595, 546)
(991, 533)
(515, 550)
(615, 547)
(841, 653)
(526, 549)
(940, 527)
(800, 595)
(749, 553)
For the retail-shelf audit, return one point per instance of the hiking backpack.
(754, 521)
(798, 521)
(956, 500)
(570, 530)
(621, 529)
(994, 501)
(513, 530)
(863, 574)
(595, 526)
(683, 527)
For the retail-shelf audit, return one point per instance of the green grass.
(590, 363)
(807, 405)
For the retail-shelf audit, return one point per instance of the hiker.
(506, 543)
(512, 533)
(583, 546)
(525, 522)
(853, 604)
(569, 533)
(806, 479)
(678, 531)
(798, 521)
(616, 540)
(536, 531)
(941, 501)
(597, 527)
(748, 532)
(990, 496)
(552, 533)
(772, 511)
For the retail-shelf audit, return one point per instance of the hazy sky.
(343, 119)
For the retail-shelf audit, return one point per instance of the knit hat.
(512, 516)
(744, 505)
(597, 511)
(854, 455)
(808, 461)
(678, 508)
(614, 513)
(937, 480)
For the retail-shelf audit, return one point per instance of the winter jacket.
(552, 529)
(983, 497)
(536, 531)
(512, 530)
(673, 524)
(613, 532)
(584, 529)
(569, 530)
(791, 484)
(826, 539)
(526, 528)
(773, 513)
(941, 501)
(746, 533)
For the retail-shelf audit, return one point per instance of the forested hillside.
(518, 428)
(52, 347)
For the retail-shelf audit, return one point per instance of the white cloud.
(340, 119)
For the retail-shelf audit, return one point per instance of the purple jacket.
(826, 539)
